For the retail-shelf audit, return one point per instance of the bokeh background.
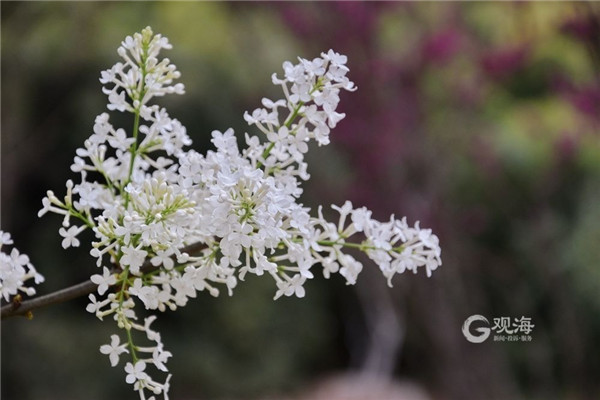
(481, 120)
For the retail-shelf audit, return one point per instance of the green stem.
(289, 121)
(82, 217)
(136, 122)
(106, 178)
(331, 243)
(294, 114)
(265, 154)
(123, 286)
(133, 151)
(359, 246)
(131, 346)
(287, 124)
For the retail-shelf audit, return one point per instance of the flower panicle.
(147, 198)
(15, 271)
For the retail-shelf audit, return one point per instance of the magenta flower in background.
(585, 28)
(441, 46)
(501, 63)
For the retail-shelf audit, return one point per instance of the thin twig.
(72, 292)
(60, 296)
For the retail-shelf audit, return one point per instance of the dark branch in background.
(24, 308)
(72, 292)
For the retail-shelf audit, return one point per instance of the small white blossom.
(5, 238)
(135, 372)
(94, 306)
(133, 257)
(70, 236)
(114, 349)
(15, 271)
(160, 357)
(290, 287)
(104, 281)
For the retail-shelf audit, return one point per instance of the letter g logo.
(484, 332)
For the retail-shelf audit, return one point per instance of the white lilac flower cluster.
(15, 271)
(170, 222)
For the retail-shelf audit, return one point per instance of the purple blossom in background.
(584, 97)
(441, 46)
(586, 100)
(585, 28)
(501, 63)
(390, 109)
